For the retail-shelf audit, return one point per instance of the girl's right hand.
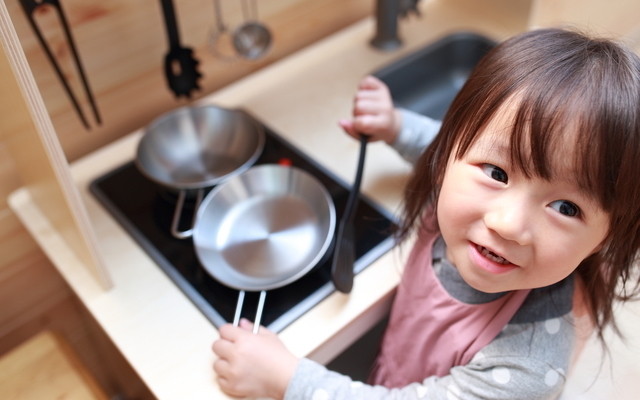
(373, 112)
(252, 365)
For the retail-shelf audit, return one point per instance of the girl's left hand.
(373, 112)
(252, 365)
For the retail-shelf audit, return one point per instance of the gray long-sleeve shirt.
(415, 135)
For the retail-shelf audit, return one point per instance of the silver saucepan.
(264, 229)
(197, 147)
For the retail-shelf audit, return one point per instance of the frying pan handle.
(178, 234)
(256, 323)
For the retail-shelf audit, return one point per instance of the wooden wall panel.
(122, 45)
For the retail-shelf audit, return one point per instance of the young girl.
(526, 207)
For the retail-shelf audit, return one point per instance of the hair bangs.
(565, 128)
(554, 136)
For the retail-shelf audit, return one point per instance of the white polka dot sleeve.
(526, 361)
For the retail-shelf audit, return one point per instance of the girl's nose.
(511, 220)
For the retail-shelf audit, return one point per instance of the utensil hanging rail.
(30, 7)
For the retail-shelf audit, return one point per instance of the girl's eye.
(494, 172)
(566, 208)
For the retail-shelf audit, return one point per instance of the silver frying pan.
(196, 148)
(264, 229)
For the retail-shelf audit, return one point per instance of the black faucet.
(388, 13)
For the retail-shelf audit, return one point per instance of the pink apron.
(430, 332)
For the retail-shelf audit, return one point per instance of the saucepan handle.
(256, 322)
(177, 233)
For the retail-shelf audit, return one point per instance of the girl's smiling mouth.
(492, 256)
(489, 261)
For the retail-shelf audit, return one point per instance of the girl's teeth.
(493, 257)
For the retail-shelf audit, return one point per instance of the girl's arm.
(526, 362)
(416, 133)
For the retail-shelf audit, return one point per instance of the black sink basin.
(427, 80)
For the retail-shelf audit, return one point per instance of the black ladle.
(180, 66)
(344, 254)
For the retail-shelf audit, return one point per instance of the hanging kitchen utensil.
(263, 229)
(221, 40)
(180, 66)
(30, 7)
(251, 39)
(344, 254)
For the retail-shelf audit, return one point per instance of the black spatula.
(344, 254)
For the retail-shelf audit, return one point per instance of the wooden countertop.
(158, 330)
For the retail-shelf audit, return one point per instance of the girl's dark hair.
(562, 81)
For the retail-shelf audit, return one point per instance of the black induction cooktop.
(145, 210)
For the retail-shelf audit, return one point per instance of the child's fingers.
(225, 381)
(347, 126)
(370, 82)
(371, 124)
(222, 348)
(246, 324)
(368, 106)
(230, 332)
(221, 367)
(350, 129)
(370, 94)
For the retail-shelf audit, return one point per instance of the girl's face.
(506, 231)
